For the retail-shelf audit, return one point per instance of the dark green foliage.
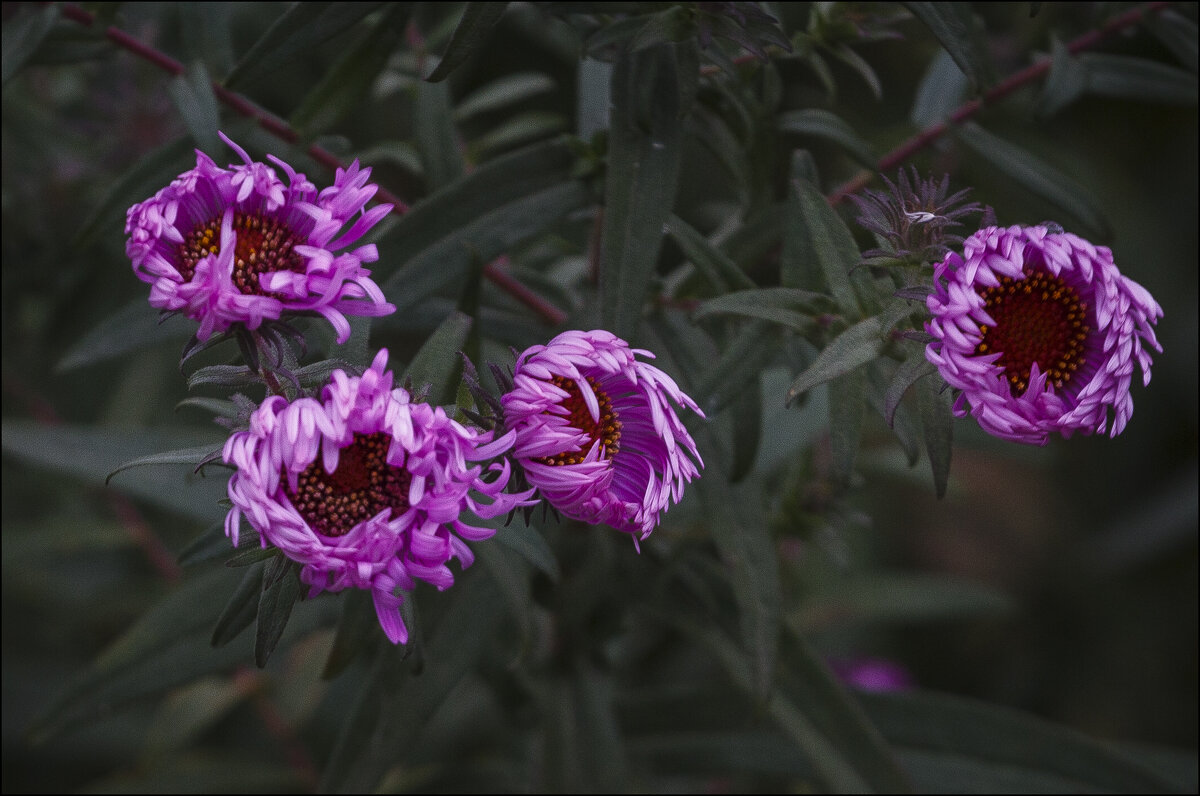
(675, 173)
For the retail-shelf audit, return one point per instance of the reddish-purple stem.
(1001, 90)
(279, 128)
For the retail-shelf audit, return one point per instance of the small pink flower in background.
(873, 674)
(239, 246)
(1040, 332)
(366, 489)
(596, 433)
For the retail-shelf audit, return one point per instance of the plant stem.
(279, 128)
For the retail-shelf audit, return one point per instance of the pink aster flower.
(1040, 332)
(595, 432)
(366, 489)
(239, 246)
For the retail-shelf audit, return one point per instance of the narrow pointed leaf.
(816, 236)
(950, 743)
(851, 349)
(1130, 77)
(132, 328)
(954, 27)
(436, 135)
(787, 306)
(720, 270)
(915, 367)
(824, 124)
(847, 404)
(193, 456)
(744, 539)
(279, 595)
(193, 95)
(649, 100)
(168, 633)
(1177, 33)
(1037, 176)
(940, 91)
(937, 422)
(438, 362)
(347, 83)
(299, 29)
(241, 608)
(477, 22)
(503, 92)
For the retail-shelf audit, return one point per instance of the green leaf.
(344, 86)
(90, 454)
(746, 410)
(753, 347)
(649, 99)
(1133, 78)
(954, 26)
(940, 91)
(847, 404)
(438, 363)
(164, 648)
(297, 31)
(281, 589)
(193, 456)
(22, 37)
(190, 712)
(787, 306)
(511, 576)
(851, 349)
(398, 153)
(835, 771)
(242, 606)
(956, 745)
(133, 327)
(742, 536)
(477, 22)
(937, 423)
(469, 624)
(1037, 176)
(148, 175)
(521, 129)
(530, 545)
(827, 704)
(675, 24)
(816, 235)
(720, 270)
(1177, 33)
(481, 215)
(355, 630)
(1066, 82)
(206, 33)
(915, 367)
(502, 92)
(436, 135)
(229, 376)
(824, 124)
(895, 598)
(213, 543)
(193, 95)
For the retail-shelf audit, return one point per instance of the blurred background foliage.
(1042, 615)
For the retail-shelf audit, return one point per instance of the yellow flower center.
(263, 245)
(1039, 318)
(361, 485)
(607, 428)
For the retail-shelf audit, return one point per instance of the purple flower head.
(1039, 331)
(595, 432)
(366, 489)
(239, 246)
